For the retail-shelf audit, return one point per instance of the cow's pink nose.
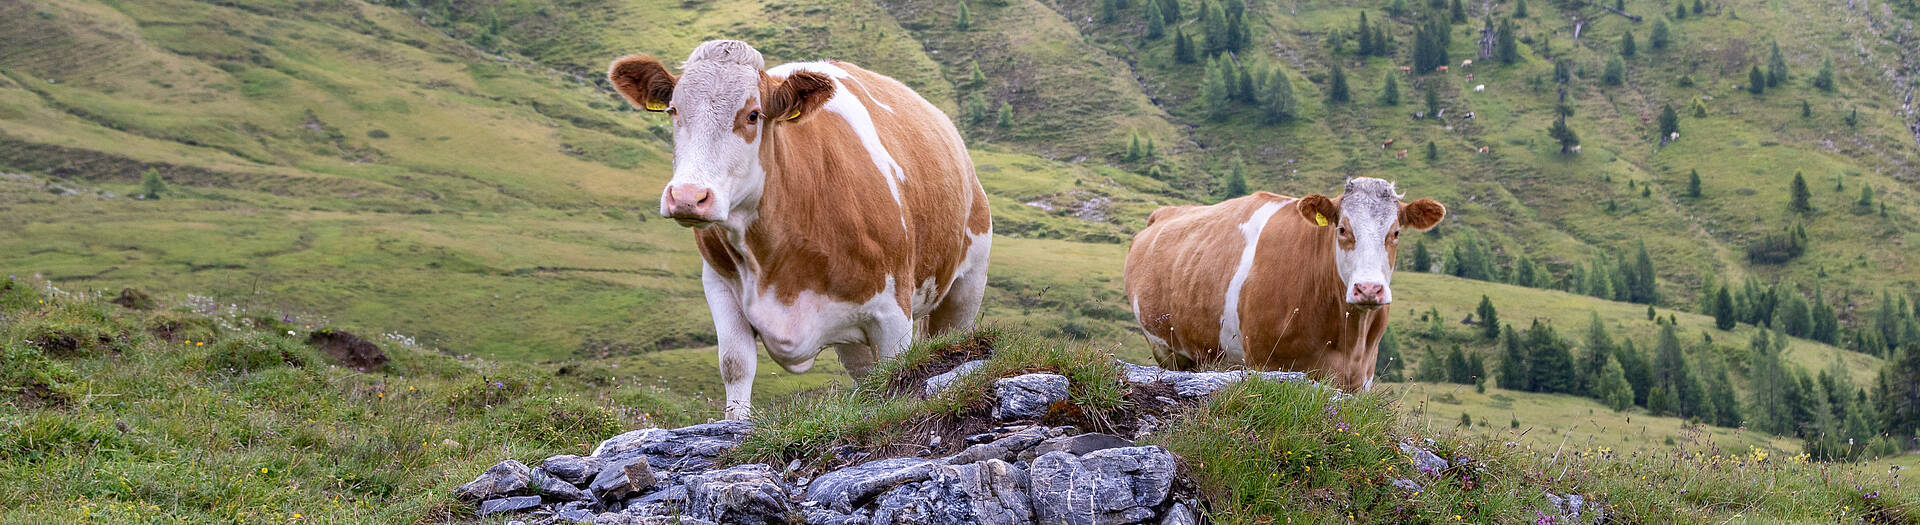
(1369, 293)
(689, 202)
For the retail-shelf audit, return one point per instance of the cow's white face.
(1366, 220)
(721, 107)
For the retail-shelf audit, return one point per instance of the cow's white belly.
(796, 333)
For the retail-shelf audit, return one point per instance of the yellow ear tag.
(794, 115)
(1319, 219)
(655, 105)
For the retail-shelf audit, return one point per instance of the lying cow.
(832, 206)
(1273, 282)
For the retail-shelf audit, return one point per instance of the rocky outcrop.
(1021, 473)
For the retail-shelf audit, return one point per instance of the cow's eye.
(1395, 235)
(1343, 231)
(672, 110)
(753, 116)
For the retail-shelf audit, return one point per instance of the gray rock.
(1407, 485)
(818, 516)
(664, 519)
(848, 488)
(574, 516)
(739, 495)
(681, 449)
(672, 494)
(1197, 384)
(1568, 506)
(988, 492)
(496, 506)
(939, 383)
(546, 484)
(1425, 460)
(1179, 514)
(978, 453)
(1076, 445)
(1028, 396)
(508, 478)
(1103, 487)
(1025, 438)
(516, 522)
(572, 469)
(622, 478)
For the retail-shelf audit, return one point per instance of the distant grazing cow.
(1576, 149)
(1479, 88)
(1465, 63)
(1384, 145)
(1485, 150)
(1673, 136)
(1400, 155)
(1273, 282)
(1469, 77)
(1441, 69)
(832, 206)
(1406, 69)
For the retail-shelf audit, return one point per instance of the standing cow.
(832, 206)
(1274, 282)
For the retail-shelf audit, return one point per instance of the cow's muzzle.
(1368, 295)
(691, 205)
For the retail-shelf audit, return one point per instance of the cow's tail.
(1165, 212)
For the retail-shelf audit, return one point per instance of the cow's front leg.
(890, 333)
(735, 335)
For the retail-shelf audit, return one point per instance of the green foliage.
(1799, 200)
(151, 185)
(1459, 13)
(1422, 259)
(1756, 82)
(1693, 184)
(1433, 152)
(1616, 72)
(964, 21)
(1390, 92)
(1236, 184)
(1432, 97)
(1183, 47)
(1776, 67)
(1563, 135)
(1627, 47)
(1489, 318)
(1824, 79)
(1504, 46)
(1520, 9)
(1387, 364)
(255, 352)
(1004, 120)
(1156, 22)
(1337, 86)
(1613, 389)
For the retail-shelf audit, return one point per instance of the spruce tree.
(1669, 121)
(1432, 369)
(976, 78)
(1182, 47)
(1520, 9)
(1512, 372)
(1170, 10)
(1627, 48)
(1489, 318)
(1776, 67)
(1156, 24)
(1679, 10)
(1337, 86)
(965, 20)
(1756, 82)
(1433, 152)
(1658, 40)
(1672, 372)
(1133, 148)
(1563, 135)
(1236, 180)
(1638, 371)
(1549, 360)
(1806, 110)
(1237, 32)
(1249, 92)
(1699, 7)
(1457, 370)
(1616, 72)
(1432, 96)
(1459, 13)
(1277, 98)
(1422, 259)
(1798, 202)
(1504, 45)
(1217, 90)
(1387, 364)
(1364, 33)
(1390, 92)
(151, 185)
(1723, 312)
(1599, 349)
(1213, 22)
(1693, 184)
(1109, 10)
(1005, 119)
(1824, 79)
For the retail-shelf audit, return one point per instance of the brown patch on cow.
(1422, 214)
(746, 121)
(645, 83)
(348, 350)
(718, 254)
(1177, 284)
(1318, 204)
(1166, 212)
(798, 96)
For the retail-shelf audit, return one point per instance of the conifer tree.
(1639, 373)
(1512, 373)
(151, 185)
(1669, 121)
(1337, 86)
(1133, 148)
(1520, 9)
(1658, 40)
(1564, 135)
(1627, 47)
(1459, 13)
(1616, 72)
(1109, 10)
(1216, 90)
(1693, 183)
(1824, 79)
(1613, 388)
(1756, 82)
(1156, 24)
(1213, 22)
(965, 20)
(1699, 7)
(1723, 311)
(1364, 33)
(1504, 46)
(1599, 349)
(1433, 152)
(1679, 10)
(1422, 259)
(1236, 179)
(977, 78)
(1489, 318)
(1457, 370)
(1549, 360)
(1798, 202)
(1277, 99)
(1432, 96)
(1170, 11)
(1432, 369)
(1390, 92)
(1776, 67)
(1005, 119)
(1182, 47)
(1387, 364)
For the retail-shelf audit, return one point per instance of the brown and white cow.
(1273, 282)
(832, 206)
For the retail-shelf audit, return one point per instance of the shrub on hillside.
(257, 351)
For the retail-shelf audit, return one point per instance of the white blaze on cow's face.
(721, 107)
(1367, 220)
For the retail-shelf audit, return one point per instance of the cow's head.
(721, 105)
(1366, 221)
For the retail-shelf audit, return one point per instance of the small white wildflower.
(289, 332)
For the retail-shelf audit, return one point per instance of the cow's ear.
(644, 82)
(1421, 214)
(798, 96)
(1319, 210)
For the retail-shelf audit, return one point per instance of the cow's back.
(1180, 273)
